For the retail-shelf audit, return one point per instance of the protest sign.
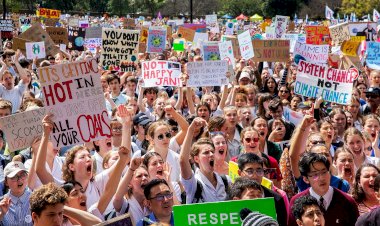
(156, 40)
(35, 49)
(76, 38)
(199, 38)
(93, 32)
(210, 51)
(350, 48)
(197, 27)
(212, 23)
(229, 28)
(123, 220)
(22, 129)
(235, 44)
(120, 49)
(58, 34)
(19, 43)
(207, 73)
(6, 28)
(74, 94)
(37, 34)
(83, 23)
(129, 23)
(50, 21)
(293, 38)
(48, 13)
(373, 55)
(311, 53)
(186, 33)
(221, 213)
(161, 73)
(317, 35)
(226, 52)
(62, 47)
(73, 22)
(280, 25)
(339, 33)
(333, 85)
(179, 44)
(144, 34)
(233, 169)
(92, 43)
(271, 50)
(363, 31)
(245, 43)
(292, 116)
(23, 20)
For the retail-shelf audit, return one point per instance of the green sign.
(178, 46)
(220, 213)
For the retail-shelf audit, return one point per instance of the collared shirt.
(134, 208)
(151, 219)
(326, 197)
(234, 145)
(19, 210)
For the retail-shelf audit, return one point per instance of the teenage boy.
(307, 212)
(116, 96)
(314, 169)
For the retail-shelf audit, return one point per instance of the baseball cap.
(141, 119)
(373, 90)
(304, 105)
(245, 74)
(12, 168)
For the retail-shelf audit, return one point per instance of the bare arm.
(21, 70)
(178, 104)
(222, 102)
(84, 218)
(190, 102)
(140, 102)
(181, 122)
(32, 176)
(109, 99)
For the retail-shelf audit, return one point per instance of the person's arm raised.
(21, 70)
(84, 218)
(181, 122)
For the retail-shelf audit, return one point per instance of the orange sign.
(317, 35)
(48, 13)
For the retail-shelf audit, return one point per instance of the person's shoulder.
(269, 193)
(343, 196)
(301, 194)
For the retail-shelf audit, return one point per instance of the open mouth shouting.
(83, 203)
(212, 163)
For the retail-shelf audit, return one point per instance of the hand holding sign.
(48, 124)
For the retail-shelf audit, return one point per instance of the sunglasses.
(249, 139)
(314, 142)
(167, 135)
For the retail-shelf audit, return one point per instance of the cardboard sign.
(350, 48)
(212, 23)
(93, 32)
(156, 40)
(364, 30)
(271, 50)
(317, 35)
(37, 34)
(58, 34)
(35, 49)
(73, 22)
(161, 73)
(270, 33)
(51, 21)
(373, 55)
(207, 73)
(235, 44)
(144, 34)
(76, 38)
(312, 53)
(120, 49)
(19, 43)
(233, 169)
(186, 33)
(245, 43)
(227, 53)
(6, 28)
(74, 94)
(220, 213)
(333, 85)
(129, 23)
(210, 51)
(292, 116)
(48, 13)
(83, 23)
(123, 220)
(339, 33)
(197, 27)
(280, 25)
(22, 129)
(92, 43)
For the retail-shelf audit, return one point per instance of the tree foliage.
(359, 7)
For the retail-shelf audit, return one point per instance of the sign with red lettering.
(161, 73)
(73, 93)
(48, 13)
(317, 35)
(271, 50)
(207, 73)
(311, 53)
(314, 80)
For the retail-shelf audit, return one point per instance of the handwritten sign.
(373, 55)
(22, 129)
(186, 33)
(35, 49)
(196, 27)
(280, 25)
(364, 30)
(207, 73)
(229, 28)
(92, 43)
(58, 34)
(76, 38)
(48, 13)
(120, 49)
(156, 40)
(293, 38)
(333, 85)
(19, 43)
(245, 43)
(129, 23)
(271, 50)
(311, 53)
(50, 21)
(317, 35)
(212, 23)
(6, 28)
(339, 33)
(210, 51)
(350, 48)
(292, 116)
(93, 32)
(235, 44)
(226, 52)
(161, 73)
(73, 93)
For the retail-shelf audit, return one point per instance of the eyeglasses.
(259, 172)
(117, 129)
(314, 142)
(161, 197)
(167, 135)
(316, 175)
(250, 139)
(19, 177)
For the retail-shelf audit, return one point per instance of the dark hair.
(47, 195)
(274, 104)
(376, 185)
(203, 104)
(69, 186)
(249, 158)
(357, 191)
(265, 86)
(300, 205)
(24, 62)
(150, 89)
(152, 184)
(308, 159)
(112, 77)
(240, 185)
(148, 156)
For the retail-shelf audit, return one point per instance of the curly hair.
(48, 195)
(67, 174)
(357, 191)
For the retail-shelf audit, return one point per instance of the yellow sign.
(357, 38)
(48, 13)
(233, 169)
(350, 48)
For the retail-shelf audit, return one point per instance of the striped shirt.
(19, 210)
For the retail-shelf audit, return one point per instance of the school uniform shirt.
(234, 145)
(14, 95)
(96, 188)
(133, 207)
(99, 162)
(335, 182)
(19, 210)
(121, 99)
(373, 160)
(151, 219)
(209, 192)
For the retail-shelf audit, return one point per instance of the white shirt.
(56, 172)
(373, 160)
(326, 197)
(134, 208)
(99, 163)
(14, 95)
(96, 188)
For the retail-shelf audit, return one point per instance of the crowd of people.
(172, 146)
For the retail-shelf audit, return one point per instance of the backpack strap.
(225, 182)
(198, 193)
